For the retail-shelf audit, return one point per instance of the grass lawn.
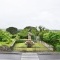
(36, 47)
(20, 45)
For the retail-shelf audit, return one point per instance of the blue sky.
(22, 13)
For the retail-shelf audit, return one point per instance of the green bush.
(51, 38)
(4, 36)
(57, 47)
(20, 41)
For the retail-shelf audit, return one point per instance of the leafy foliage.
(58, 47)
(42, 31)
(48, 36)
(33, 30)
(51, 38)
(12, 30)
(21, 41)
(23, 34)
(4, 36)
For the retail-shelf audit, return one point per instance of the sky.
(22, 13)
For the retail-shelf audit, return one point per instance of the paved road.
(10, 57)
(29, 56)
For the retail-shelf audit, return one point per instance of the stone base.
(29, 43)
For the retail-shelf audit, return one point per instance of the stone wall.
(50, 47)
(5, 48)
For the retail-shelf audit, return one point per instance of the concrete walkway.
(29, 56)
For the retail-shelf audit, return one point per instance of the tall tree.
(32, 29)
(12, 30)
(42, 30)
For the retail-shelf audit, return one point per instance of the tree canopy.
(12, 30)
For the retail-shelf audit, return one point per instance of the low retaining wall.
(50, 47)
(5, 48)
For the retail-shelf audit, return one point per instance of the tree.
(12, 30)
(42, 30)
(23, 34)
(51, 38)
(33, 30)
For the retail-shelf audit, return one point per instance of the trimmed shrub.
(20, 41)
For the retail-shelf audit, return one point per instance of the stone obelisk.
(29, 36)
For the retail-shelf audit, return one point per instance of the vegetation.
(5, 36)
(6, 41)
(15, 38)
(12, 30)
(52, 38)
(42, 31)
(24, 33)
(21, 41)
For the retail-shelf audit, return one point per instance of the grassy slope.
(35, 47)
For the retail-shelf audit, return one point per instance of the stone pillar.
(29, 36)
